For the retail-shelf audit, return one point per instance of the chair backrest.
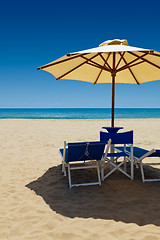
(82, 151)
(117, 138)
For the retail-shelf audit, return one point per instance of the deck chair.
(81, 155)
(116, 160)
(139, 154)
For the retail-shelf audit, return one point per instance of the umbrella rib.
(101, 69)
(61, 61)
(76, 67)
(155, 54)
(120, 60)
(130, 69)
(98, 76)
(96, 64)
(141, 57)
(106, 60)
(132, 65)
(129, 64)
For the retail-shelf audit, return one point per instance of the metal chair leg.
(98, 172)
(69, 176)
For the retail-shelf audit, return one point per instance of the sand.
(36, 203)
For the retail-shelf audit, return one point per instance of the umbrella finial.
(114, 42)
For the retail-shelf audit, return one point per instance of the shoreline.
(79, 119)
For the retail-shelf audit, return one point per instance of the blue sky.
(34, 33)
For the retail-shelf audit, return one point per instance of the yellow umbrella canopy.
(112, 62)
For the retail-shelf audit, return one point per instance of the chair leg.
(102, 170)
(98, 172)
(64, 168)
(116, 167)
(142, 171)
(132, 163)
(65, 174)
(125, 168)
(69, 176)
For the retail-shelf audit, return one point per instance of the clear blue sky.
(34, 33)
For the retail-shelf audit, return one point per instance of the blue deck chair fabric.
(85, 151)
(140, 152)
(79, 152)
(123, 139)
(138, 155)
(117, 138)
(118, 154)
(76, 151)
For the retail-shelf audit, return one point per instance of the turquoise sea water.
(78, 113)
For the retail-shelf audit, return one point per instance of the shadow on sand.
(118, 199)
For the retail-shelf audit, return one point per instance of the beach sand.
(37, 204)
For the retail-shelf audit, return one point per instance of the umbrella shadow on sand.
(118, 199)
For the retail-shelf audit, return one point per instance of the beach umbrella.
(112, 62)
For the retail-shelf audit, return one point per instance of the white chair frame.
(141, 164)
(74, 166)
(112, 163)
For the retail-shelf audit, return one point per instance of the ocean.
(77, 113)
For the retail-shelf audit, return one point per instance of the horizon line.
(79, 107)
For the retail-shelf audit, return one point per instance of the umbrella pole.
(113, 88)
(113, 96)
